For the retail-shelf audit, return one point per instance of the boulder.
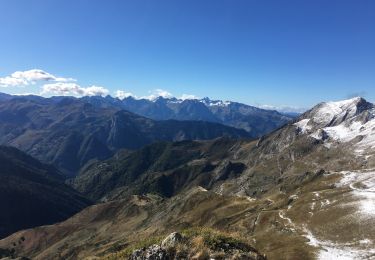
(172, 240)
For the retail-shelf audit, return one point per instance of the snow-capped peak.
(209, 102)
(341, 121)
(328, 112)
(206, 101)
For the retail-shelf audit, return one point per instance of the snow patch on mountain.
(173, 100)
(303, 125)
(210, 103)
(330, 250)
(362, 184)
(346, 133)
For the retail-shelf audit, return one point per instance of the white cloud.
(284, 109)
(58, 85)
(69, 88)
(95, 91)
(158, 93)
(54, 85)
(122, 94)
(188, 96)
(11, 82)
(30, 77)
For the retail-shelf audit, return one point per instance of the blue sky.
(294, 53)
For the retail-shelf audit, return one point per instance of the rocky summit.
(195, 246)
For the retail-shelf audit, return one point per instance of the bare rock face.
(172, 240)
(159, 252)
(154, 252)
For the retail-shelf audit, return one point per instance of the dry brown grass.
(201, 255)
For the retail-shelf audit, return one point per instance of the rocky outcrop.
(154, 252)
(176, 246)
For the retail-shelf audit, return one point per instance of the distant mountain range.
(254, 120)
(69, 132)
